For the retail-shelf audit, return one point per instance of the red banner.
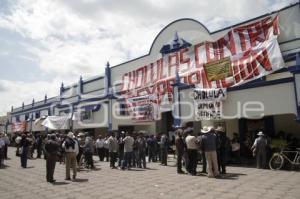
(19, 127)
(243, 54)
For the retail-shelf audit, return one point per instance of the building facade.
(99, 104)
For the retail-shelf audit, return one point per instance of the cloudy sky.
(46, 42)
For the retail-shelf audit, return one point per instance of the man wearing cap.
(192, 151)
(71, 148)
(223, 148)
(209, 142)
(51, 149)
(259, 149)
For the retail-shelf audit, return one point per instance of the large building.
(272, 98)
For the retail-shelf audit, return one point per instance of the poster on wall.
(209, 103)
(143, 109)
(243, 54)
(19, 127)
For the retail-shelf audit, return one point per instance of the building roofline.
(213, 32)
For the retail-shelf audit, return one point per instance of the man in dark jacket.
(51, 149)
(222, 150)
(180, 148)
(209, 142)
(164, 146)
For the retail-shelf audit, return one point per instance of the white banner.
(208, 103)
(57, 122)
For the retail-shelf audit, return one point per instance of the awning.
(92, 107)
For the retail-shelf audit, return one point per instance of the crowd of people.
(126, 150)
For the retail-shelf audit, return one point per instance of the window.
(37, 115)
(123, 109)
(86, 115)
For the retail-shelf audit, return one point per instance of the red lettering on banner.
(229, 43)
(154, 74)
(197, 60)
(171, 58)
(226, 84)
(256, 36)
(160, 65)
(139, 77)
(236, 71)
(242, 40)
(208, 50)
(124, 82)
(195, 80)
(275, 26)
(264, 60)
(185, 60)
(206, 83)
(132, 80)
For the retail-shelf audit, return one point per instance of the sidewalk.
(155, 182)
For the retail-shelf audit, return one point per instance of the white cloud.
(73, 38)
(13, 93)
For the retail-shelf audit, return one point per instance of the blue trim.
(94, 91)
(260, 84)
(92, 80)
(290, 57)
(291, 40)
(32, 108)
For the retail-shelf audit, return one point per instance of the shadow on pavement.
(135, 169)
(80, 180)
(30, 167)
(230, 176)
(60, 183)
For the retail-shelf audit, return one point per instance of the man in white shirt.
(113, 149)
(71, 148)
(192, 150)
(100, 147)
(128, 150)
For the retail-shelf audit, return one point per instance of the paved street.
(155, 182)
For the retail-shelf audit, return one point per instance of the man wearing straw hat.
(209, 142)
(259, 149)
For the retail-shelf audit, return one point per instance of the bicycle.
(278, 159)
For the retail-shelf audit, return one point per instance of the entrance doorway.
(166, 122)
(248, 129)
